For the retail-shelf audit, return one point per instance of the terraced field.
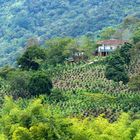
(86, 90)
(88, 77)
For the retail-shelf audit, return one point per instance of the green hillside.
(49, 99)
(43, 19)
(69, 70)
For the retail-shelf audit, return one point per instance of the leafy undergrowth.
(33, 120)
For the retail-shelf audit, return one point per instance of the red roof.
(112, 42)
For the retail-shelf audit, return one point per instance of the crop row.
(89, 77)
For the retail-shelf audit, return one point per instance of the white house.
(107, 46)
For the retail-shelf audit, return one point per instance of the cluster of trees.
(34, 120)
(30, 77)
(117, 62)
(25, 84)
(134, 82)
(55, 51)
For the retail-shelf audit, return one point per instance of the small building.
(107, 46)
(77, 57)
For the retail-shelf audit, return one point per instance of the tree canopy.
(32, 58)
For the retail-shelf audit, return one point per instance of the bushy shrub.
(40, 84)
(125, 52)
(33, 122)
(116, 74)
(57, 51)
(115, 69)
(134, 83)
(19, 81)
(36, 121)
(117, 63)
(27, 83)
(5, 70)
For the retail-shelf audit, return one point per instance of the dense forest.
(44, 19)
(54, 83)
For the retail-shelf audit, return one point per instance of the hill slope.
(20, 20)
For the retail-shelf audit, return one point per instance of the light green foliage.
(101, 129)
(3, 137)
(33, 122)
(136, 36)
(21, 134)
(107, 33)
(57, 51)
(137, 137)
(37, 121)
(134, 83)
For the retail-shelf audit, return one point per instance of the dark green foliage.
(117, 62)
(19, 81)
(115, 69)
(27, 83)
(31, 58)
(116, 74)
(40, 84)
(55, 56)
(126, 53)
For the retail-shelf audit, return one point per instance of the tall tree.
(115, 69)
(125, 52)
(32, 58)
